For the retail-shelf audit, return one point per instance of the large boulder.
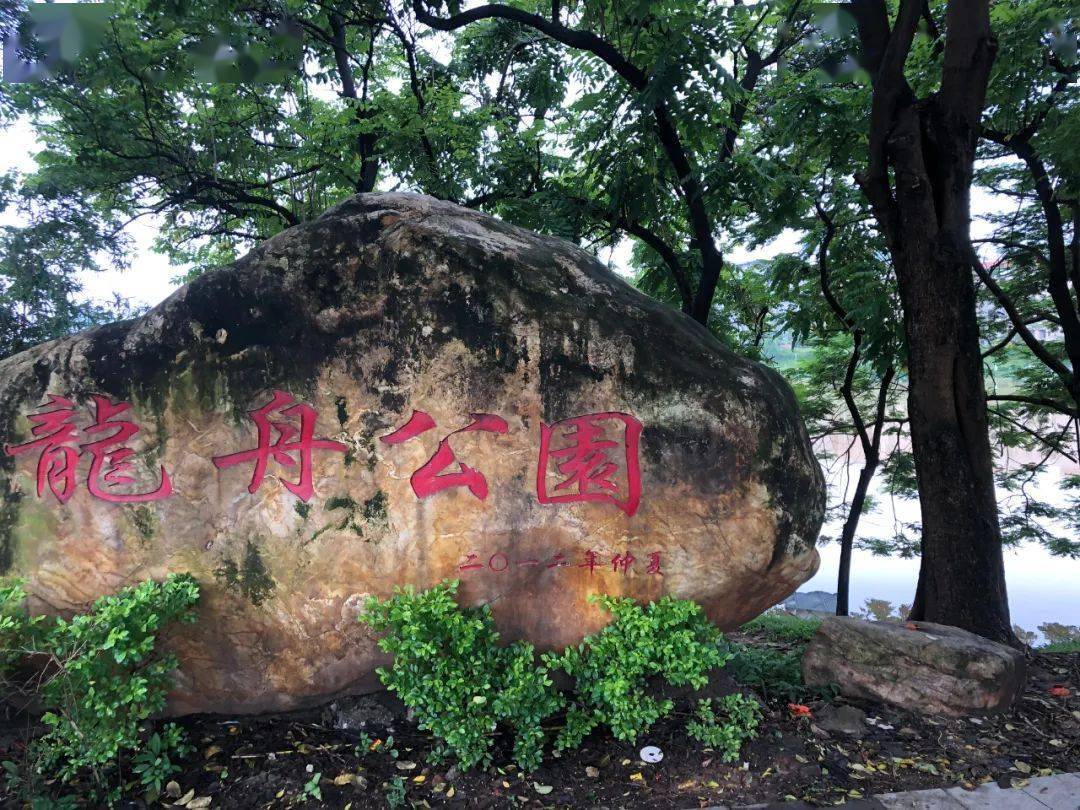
(923, 667)
(399, 392)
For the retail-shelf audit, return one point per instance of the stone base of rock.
(918, 666)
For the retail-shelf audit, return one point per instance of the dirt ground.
(302, 758)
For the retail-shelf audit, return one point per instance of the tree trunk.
(961, 577)
(918, 182)
(847, 535)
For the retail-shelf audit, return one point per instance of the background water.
(1042, 587)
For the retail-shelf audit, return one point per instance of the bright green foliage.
(450, 670)
(783, 627)
(152, 762)
(17, 629)
(738, 721)
(312, 789)
(669, 638)
(107, 679)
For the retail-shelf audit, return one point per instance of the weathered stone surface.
(842, 719)
(932, 669)
(385, 305)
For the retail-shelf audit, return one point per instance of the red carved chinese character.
(290, 448)
(498, 555)
(586, 464)
(591, 561)
(109, 458)
(470, 563)
(54, 435)
(558, 560)
(654, 564)
(530, 561)
(430, 478)
(623, 561)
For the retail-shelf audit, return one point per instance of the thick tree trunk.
(961, 578)
(918, 181)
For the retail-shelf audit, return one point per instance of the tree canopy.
(688, 128)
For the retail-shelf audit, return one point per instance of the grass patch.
(1061, 647)
(783, 627)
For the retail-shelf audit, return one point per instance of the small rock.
(357, 713)
(842, 719)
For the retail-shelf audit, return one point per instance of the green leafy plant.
(669, 638)
(17, 628)
(449, 669)
(737, 722)
(103, 680)
(311, 788)
(394, 792)
(152, 762)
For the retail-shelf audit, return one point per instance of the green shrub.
(783, 627)
(773, 674)
(450, 670)
(17, 628)
(738, 722)
(670, 638)
(102, 679)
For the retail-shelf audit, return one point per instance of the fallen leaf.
(345, 779)
(637, 777)
(450, 792)
(172, 790)
(1019, 783)
(405, 765)
(199, 803)
(626, 762)
(591, 771)
(799, 710)
(543, 790)
(911, 626)
(1057, 743)
(187, 797)
(419, 779)
(1023, 767)
(1057, 690)
(212, 751)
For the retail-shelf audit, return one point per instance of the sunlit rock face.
(399, 392)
